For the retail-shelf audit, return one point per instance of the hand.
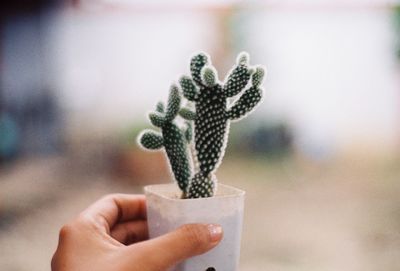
(110, 235)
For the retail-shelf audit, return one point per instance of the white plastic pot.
(166, 212)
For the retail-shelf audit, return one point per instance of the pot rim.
(233, 192)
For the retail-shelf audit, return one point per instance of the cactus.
(211, 116)
(174, 139)
(213, 112)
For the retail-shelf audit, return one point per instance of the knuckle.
(70, 229)
(82, 219)
(111, 197)
(66, 231)
(108, 197)
(195, 236)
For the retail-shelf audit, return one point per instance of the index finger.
(115, 208)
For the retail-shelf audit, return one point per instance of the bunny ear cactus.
(211, 116)
(213, 112)
(172, 138)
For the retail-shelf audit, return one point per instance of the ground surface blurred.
(333, 216)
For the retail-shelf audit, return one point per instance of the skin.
(112, 234)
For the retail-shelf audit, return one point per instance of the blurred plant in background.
(8, 135)
(396, 23)
(265, 139)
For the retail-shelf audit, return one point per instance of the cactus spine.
(211, 116)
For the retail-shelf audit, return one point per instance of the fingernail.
(215, 232)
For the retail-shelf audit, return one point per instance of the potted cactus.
(194, 137)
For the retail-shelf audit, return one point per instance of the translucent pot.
(166, 212)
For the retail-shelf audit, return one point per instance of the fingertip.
(186, 241)
(198, 238)
(216, 232)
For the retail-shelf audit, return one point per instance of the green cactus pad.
(246, 103)
(171, 138)
(176, 148)
(174, 102)
(188, 132)
(196, 65)
(156, 119)
(201, 186)
(237, 80)
(189, 88)
(187, 114)
(243, 58)
(151, 140)
(209, 76)
(160, 107)
(258, 76)
(212, 119)
(210, 128)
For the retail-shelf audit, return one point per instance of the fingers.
(187, 241)
(116, 208)
(130, 232)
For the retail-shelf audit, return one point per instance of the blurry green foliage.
(260, 138)
(396, 23)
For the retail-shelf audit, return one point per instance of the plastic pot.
(166, 212)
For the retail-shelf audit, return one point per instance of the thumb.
(185, 242)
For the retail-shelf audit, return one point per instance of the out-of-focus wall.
(113, 66)
(333, 74)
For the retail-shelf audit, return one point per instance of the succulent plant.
(211, 115)
(213, 112)
(173, 138)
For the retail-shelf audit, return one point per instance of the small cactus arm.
(172, 138)
(249, 99)
(212, 116)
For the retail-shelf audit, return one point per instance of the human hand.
(111, 234)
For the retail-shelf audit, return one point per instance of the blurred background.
(319, 159)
